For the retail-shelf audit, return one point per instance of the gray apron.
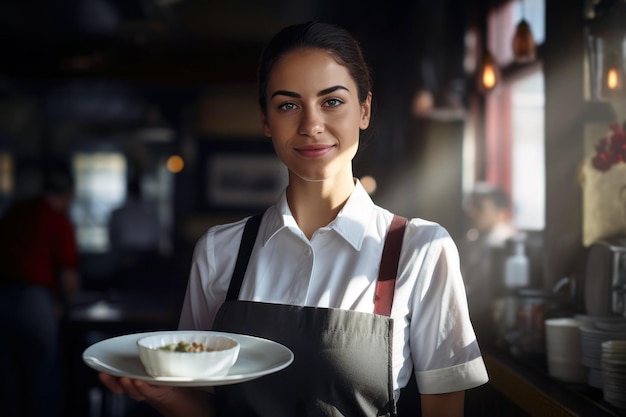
(342, 364)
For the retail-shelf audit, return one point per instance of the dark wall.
(563, 66)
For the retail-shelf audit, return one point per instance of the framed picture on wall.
(244, 177)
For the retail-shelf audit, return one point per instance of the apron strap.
(245, 249)
(388, 273)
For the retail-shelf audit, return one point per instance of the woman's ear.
(266, 127)
(366, 112)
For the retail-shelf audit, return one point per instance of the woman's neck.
(316, 204)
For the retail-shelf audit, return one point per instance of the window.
(514, 117)
(528, 161)
(100, 187)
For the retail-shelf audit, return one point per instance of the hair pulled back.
(315, 35)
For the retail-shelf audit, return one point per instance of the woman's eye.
(287, 106)
(333, 102)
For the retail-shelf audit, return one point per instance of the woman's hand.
(169, 401)
(137, 389)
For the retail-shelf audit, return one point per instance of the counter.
(526, 389)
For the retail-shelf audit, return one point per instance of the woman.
(312, 277)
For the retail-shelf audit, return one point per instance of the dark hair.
(315, 35)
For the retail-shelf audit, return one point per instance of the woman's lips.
(314, 151)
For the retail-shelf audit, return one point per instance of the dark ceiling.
(202, 40)
(147, 39)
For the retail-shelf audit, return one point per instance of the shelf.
(527, 384)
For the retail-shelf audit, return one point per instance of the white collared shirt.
(338, 268)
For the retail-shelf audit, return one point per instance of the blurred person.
(38, 278)
(135, 238)
(319, 279)
(482, 251)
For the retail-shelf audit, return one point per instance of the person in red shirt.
(38, 276)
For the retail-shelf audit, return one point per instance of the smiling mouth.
(314, 151)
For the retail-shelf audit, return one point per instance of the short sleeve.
(197, 311)
(445, 352)
(212, 267)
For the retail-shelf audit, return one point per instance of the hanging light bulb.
(524, 47)
(489, 77)
(488, 74)
(613, 75)
(606, 49)
(612, 79)
(607, 69)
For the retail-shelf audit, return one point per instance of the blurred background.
(155, 102)
(159, 91)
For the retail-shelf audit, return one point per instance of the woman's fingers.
(135, 388)
(111, 382)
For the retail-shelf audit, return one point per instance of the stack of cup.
(563, 350)
(614, 372)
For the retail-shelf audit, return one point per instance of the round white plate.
(257, 357)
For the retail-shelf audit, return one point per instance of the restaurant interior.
(163, 92)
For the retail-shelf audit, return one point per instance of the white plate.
(257, 357)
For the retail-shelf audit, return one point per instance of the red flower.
(610, 150)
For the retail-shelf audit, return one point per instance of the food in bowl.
(193, 355)
(186, 347)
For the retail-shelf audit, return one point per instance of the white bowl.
(222, 354)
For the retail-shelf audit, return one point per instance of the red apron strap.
(388, 273)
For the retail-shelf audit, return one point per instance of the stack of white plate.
(593, 334)
(614, 372)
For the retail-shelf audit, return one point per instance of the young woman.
(313, 279)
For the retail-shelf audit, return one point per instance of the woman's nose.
(311, 123)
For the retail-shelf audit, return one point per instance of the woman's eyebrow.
(319, 94)
(332, 89)
(286, 93)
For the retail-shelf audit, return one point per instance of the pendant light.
(524, 47)
(488, 73)
(607, 49)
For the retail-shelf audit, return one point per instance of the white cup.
(563, 339)
(567, 371)
(563, 349)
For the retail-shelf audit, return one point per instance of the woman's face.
(313, 114)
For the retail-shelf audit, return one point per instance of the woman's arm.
(169, 401)
(450, 404)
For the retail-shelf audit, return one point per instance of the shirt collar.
(350, 223)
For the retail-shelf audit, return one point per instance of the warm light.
(606, 31)
(175, 164)
(489, 73)
(369, 183)
(423, 102)
(612, 79)
(489, 77)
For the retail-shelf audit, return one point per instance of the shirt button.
(307, 252)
